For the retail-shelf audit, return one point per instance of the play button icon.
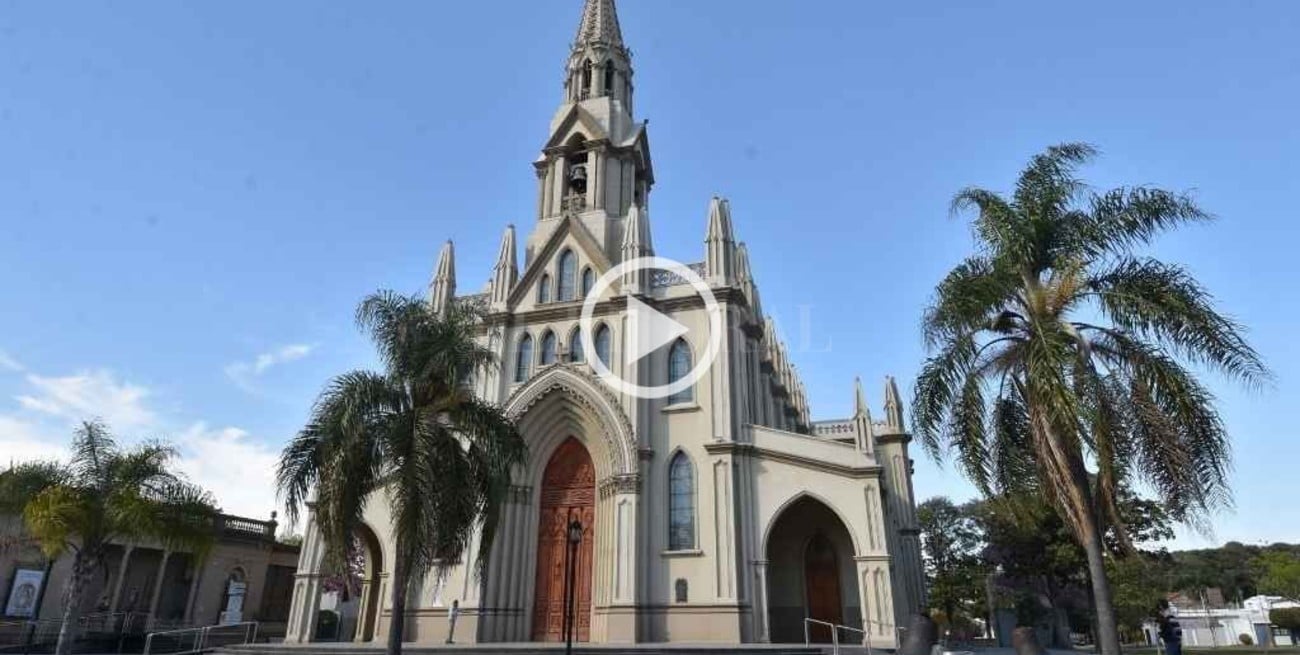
(649, 330)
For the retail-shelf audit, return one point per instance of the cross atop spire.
(599, 25)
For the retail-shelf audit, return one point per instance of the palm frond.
(1162, 301)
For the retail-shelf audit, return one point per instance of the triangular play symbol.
(649, 330)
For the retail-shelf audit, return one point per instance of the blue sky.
(193, 196)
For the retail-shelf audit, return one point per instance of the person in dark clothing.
(1171, 633)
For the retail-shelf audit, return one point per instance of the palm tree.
(441, 456)
(103, 495)
(1061, 361)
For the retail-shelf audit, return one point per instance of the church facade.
(720, 513)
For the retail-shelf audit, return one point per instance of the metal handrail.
(835, 633)
(201, 635)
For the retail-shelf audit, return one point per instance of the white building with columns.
(721, 513)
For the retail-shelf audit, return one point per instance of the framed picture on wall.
(23, 592)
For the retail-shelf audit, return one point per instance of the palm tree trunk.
(1107, 628)
(397, 621)
(72, 593)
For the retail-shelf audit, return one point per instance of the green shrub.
(1245, 639)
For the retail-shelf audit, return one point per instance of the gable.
(567, 233)
(577, 120)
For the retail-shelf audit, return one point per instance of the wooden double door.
(568, 494)
(822, 585)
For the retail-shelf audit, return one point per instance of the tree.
(1279, 573)
(952, 542)
(1055, 348)
(441, 456)
(104, 494)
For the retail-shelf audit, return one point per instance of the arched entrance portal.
(568, 494)
(810, 573)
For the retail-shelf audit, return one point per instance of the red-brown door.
(822, 579)
(568, 493)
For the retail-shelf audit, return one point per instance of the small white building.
(1223, 626)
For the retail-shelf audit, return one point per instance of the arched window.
(588, 281)
(602, 344)
(575, 347)
(681, 503)
(679, 365)
(523, 358)
(586, 79)
(548, 348)
(609, 78)
(544, 289)
(568, 273)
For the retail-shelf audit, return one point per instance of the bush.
(1286, 618)
(1245, 639)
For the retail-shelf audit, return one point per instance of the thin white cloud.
(8, 363)
(86, 395)
(243, 373)
(237, 468)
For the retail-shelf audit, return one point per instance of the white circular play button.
(649, 329)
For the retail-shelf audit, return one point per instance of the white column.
(760, 604)
(121, 578)
(157, 588)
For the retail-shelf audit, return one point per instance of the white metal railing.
(835, 634)
(201, 639)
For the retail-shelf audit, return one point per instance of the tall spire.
(893, 406)
(506, 272)
(599, 25)
(636, 243)
(443, 287)
(720, 244)
(862, 418)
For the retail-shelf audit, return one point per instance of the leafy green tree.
(1279, 573)
(1055, 347)
(104, 494)
(952, 541)
(440, 456)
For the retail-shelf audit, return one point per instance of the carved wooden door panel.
(822, 579)
(568, 493)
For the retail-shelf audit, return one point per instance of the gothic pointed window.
(568, 273)
(609, 78)
(544, 289)
(681, 503)
(588, 281)
(679, 365)
(586, 79)
(576, 355)
(524, 358)
(548, 348)
(602, 344)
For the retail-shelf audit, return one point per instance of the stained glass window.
(523, 358)
(681, 504)
(544, 289)
(679, 365)
(575, 347)
(588, 281)
(568, 275)
(548, 348)
(602, 344)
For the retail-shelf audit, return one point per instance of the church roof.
(599, 24)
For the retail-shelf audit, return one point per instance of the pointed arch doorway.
(568, 494)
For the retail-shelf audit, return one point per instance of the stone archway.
(810, 572)
(568, 494)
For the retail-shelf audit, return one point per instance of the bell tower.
(596, 164)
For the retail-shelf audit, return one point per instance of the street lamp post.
(570, 567)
